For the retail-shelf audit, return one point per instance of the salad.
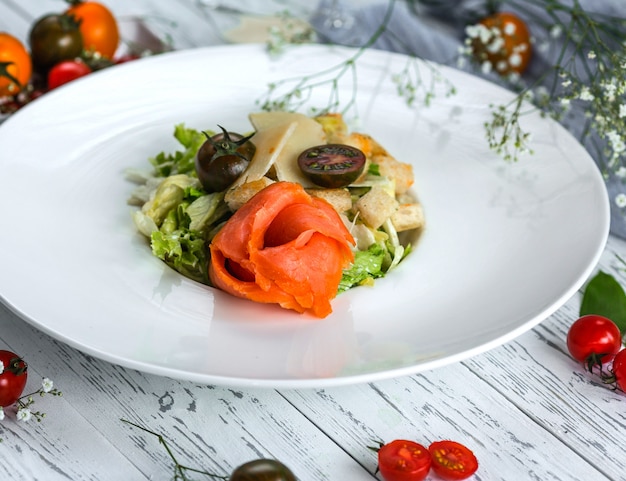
(293, 212)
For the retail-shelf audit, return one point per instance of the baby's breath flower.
(24, 414)
(556, 31)
(591, 55)
(585, 94)
(515, 60)
(509, 29)
(620, 200)
(47, 384)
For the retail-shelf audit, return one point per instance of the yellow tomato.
(15, 65)
(98, 27)
(503, 40)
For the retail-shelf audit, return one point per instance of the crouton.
(376, 207)
(334, 127)
(239, 195)
(340, 199)
(407, 217)
(400, 172)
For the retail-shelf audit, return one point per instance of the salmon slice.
(283, 247)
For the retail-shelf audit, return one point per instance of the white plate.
(506, 244)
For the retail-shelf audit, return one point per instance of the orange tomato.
(15, 65)
(98, 27)
(504, 42)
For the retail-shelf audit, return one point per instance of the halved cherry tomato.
(594, 340)
(65, 72)
(97, 25)
(452, 460)
(13, 377)
(15, 65)
(403, 460)
(332, 165)
(504, 43)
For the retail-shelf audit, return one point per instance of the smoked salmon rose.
(283, 247)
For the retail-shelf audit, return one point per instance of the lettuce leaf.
(367, 266)
(181, 161)
(184, 251)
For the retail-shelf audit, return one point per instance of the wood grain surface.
(526, 408)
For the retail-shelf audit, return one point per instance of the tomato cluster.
(62, 47)
(595, 341)
(403, 460)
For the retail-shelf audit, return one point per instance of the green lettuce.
(367, 266)
(181, 161)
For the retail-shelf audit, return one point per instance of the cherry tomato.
(593, 340)
(504, 42)
(12, 378)
(97, 25)
(619, 370)
(262, 470)
(15, 65)
(452, 460)
(54, 38)
(66, 71)
(332, 165)
(403, 460)
(222, 159)
(129, 57)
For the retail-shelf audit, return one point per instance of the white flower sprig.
(584, 88)
(411, 82)
(24, 404)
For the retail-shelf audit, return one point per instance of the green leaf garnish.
(604, 296)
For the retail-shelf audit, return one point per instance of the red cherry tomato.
(619, 369)
(12, 378)
(129, 57)
(452, 460)
(66, 71)
(402, 460)
(593, 340)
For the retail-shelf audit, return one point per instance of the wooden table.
(526, 408)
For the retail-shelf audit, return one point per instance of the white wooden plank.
(449, 403)
(213, 428)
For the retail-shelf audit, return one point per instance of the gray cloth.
(434, 30)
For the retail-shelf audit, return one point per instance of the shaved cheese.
(269, 143)
(308, 133)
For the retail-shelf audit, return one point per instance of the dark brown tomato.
(222, 159)
(332, 165)
(54, 38)
(262, 470)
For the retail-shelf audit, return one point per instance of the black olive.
(332, 165)
(262, 470)
(222, 159)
